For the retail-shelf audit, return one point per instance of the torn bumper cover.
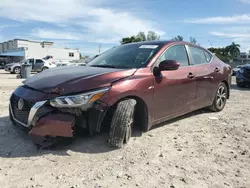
(43, 121)
(55, 124)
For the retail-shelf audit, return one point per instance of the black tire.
(16, 70)
(240, 84)
(220, 98)
(44, 68)
(122, 123)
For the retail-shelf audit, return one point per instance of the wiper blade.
(105, 66)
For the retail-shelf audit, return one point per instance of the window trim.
(156, 63)
(206, 57)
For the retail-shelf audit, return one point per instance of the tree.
(221, 53)
(141, 35)
(178, 38)
(192, 40)
(127, 40)
(151, 35)
(233, 49)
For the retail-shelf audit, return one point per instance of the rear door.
(205, 73)
(175, 90)
(38, 65)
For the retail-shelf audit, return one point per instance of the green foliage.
(233, 49)
(141, 36)
(178, 38)
(222, 53)
(192, 40)
(181, 38)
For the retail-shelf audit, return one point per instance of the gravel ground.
(201, 149)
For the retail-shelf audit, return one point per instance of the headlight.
(241, 71)
(78, 100)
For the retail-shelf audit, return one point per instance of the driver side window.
(177, 53)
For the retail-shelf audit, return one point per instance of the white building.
(34, 49)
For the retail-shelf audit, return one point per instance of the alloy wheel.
(221, 97)
(17, 70)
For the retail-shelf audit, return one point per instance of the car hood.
(11, 64)
(68, 80)
(247, 66)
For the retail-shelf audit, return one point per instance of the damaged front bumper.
(43, 120)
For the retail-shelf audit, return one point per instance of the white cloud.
(240, 35)
(245, 1)
(71, 35)
(236, 19)
(53, 34)
(93, 23)
(231, 35)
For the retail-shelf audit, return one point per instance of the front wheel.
(220, 98)
(122, 123)
(16, 70)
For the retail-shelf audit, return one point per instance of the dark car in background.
(243, 76)
(236, 69)
(133, 85)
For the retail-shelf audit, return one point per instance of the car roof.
(160, 42)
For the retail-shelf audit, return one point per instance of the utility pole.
(99, 48)
(210, 43)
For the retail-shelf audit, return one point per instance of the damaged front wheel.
(122, 121)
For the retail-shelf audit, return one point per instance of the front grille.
(23, 114)
(247, 73)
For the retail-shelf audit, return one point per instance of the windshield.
(47, 57)
(134, 55)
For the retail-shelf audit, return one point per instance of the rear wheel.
(44, 68)
(220, 98)
(16, 70)
(122, 123)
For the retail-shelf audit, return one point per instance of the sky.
(86, 24)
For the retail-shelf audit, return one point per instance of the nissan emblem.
(20, 104)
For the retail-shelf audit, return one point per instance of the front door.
(175, 90)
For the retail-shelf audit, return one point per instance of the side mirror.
(169, 65)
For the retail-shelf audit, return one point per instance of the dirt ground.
(201, 149)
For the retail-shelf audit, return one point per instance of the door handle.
(216, 69)
(191, 75)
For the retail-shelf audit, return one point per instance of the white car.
(38, 65)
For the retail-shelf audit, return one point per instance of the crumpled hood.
(67, 80)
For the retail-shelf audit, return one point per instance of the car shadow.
(15, 142)
(175, 120)
(235, 87)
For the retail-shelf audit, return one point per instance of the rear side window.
(177, 53)
(208, 56)
(198, 56)
(39, 61)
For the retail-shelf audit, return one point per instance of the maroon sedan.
(138, 84)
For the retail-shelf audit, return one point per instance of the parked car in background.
(243, 76)
(2, 65)
(138, 84)
(13, 68)
(38, 65)
(235, 70)
(62, 63)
